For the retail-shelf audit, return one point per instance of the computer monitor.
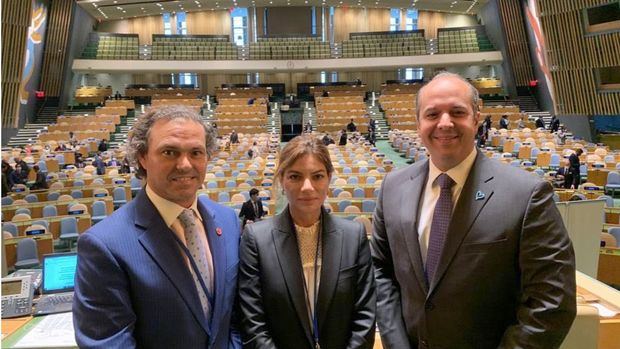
(59, 272)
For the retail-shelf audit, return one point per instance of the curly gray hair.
(475, 95)
(139, 136)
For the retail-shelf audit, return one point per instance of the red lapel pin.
(218, 231)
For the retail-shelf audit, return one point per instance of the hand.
(249, 221)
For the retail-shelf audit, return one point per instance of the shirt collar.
(168, 210)
(458, 173)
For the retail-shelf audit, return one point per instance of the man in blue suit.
(161, 272)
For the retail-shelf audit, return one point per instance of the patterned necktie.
(198, 253)
(439, 226)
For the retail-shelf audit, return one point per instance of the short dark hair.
(253, 191)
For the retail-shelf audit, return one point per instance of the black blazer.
(272, 300)
(247, 211)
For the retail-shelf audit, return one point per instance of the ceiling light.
(115, 1)
(95, 5)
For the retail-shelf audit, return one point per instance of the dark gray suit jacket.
(271, 287)
(506, 277)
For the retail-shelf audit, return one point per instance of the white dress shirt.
(170, 212)
(431, 193)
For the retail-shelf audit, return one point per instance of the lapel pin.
(218, 231)
(479, 195)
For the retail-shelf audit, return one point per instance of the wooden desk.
(83, 223)
(36, 208)
(609, 266)
(598, 176)
(9, 326)
(45, 245)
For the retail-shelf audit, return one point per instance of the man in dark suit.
(161, 272)
(234, 137)
(503, 122)
(574, 164)
(540, 123)
(480, 258)
(40, 181)
(24, 166)
(252, 210)
(351, 126)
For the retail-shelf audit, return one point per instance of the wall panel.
(145, 27)
(56, 43)
(352, 20)
(209, 22)
(430, 21)
(574, 58)
(15, 22)
(517, 45)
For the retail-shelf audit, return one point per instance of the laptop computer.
(57, 286)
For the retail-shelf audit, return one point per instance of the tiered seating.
(127, 103)
(513, 113)
(92, 94)
(243, 92)
(334, 113)
(339, 91)
(463, 39)
(289, 48)
(162, 91)
(399, 106)
(194, 104)
(384, 44)
(234, 113)
(88, 129)
(193, 47)
(488, 86)
(111, 46)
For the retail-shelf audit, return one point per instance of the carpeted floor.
(385, 148)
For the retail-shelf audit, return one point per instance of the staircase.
(30, 132)
(527, 104)
(380, 122)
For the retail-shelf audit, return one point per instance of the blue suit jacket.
(134, 288)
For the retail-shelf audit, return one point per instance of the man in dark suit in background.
(575, 163)
(564, 176)
(161, 271)
(252, 210)
(497, 271)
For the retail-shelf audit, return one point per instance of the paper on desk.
(603, 311)
(52, 332)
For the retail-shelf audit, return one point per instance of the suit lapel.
(218, 253)
(287, 251)
(158, 241)
(331, 238)
(411, 193)
(465, 213)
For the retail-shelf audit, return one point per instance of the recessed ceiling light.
(115, 1)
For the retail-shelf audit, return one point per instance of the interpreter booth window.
(240, 25)
(602, 19)
(167, 24)
(314, 20)
(414, 73)
(323, 77)
(411, 19)
(181, 23)
(394, 19)
(608, 79)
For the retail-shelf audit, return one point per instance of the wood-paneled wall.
(351, 20)
(145, 27)
(15, 21)
(516, 41)
(430, 21)
(209, 22)
(574, 57)
(56, 44)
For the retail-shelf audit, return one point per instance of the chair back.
(613, 177)
(27, 249)
(7, 200)
(50, 211)
(31, 198)
(366, 222)
(99, 208)
(368, 205)
(10, 227)
(119, 193)
(608, 240)
(77, 194)
(42, 222)
(615, 232)
(21, 217)
(68, 225)
(65, 197)
(352, 209)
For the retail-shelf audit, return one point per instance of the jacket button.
(429, 306)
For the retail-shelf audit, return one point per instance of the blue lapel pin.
(479, 195)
